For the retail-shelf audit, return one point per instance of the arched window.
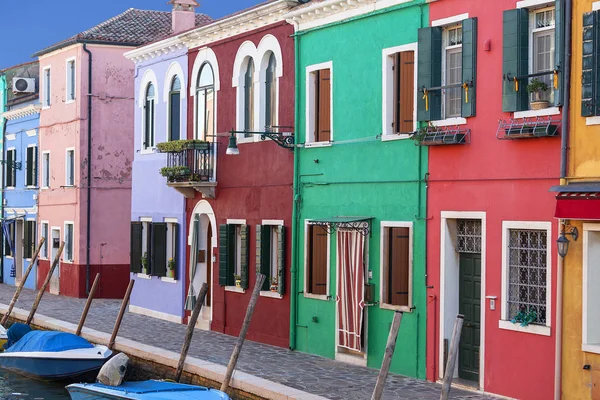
(205, 103)
(271, 94)
(249, 98)
(149, 117)
(175, 110)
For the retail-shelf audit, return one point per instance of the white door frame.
(18, 260)
(449, 261)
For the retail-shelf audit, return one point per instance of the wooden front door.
(470, 307)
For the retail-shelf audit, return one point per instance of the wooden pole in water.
(260, 278)
(22, 283)
(447, 384)
(36, 303)
(113, 337)
(190, 330)
(387, 357)
(88, 303)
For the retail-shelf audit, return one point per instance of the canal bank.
(265, 372)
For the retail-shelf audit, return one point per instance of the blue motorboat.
(53, 355)
(145, 390)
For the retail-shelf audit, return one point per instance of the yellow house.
(578, 207)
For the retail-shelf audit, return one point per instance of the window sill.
(532, 3)
(450, 122)
(147, 151)
(392, 307)
(168, 280)
(70, 101)
(143, 276)
(537, 113)
(247, 140)
(318, 144)
(46, 108)
(394, 136)
(591, 348)
(67, 261)
(234, 289)
(592, 121)
(268, 293)
(316, 296)
(45, 188)
(11, 136)
(533, 329)
(68, 186)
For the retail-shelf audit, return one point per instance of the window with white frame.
(68, 250)
(29, 239)
(452, 60)
(9, 239)
(271, 100)
(526, 270)
(396, 264)
(249, 98)
(11, 170)
(591, 294)
(46, 94)
(44, 233)
(542, 31)
(46, 170)
(270, 250)
(399, 90)
(146, 253)
(31, 166)
(70, 168)
(70, 80)
(205, 103)
(317, 262)
(319, 103)
(149, 117)
(175, 109)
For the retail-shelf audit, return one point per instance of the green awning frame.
(358, 224)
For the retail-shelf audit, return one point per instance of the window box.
(170, 172)
(176, 146)
(433, 136)
(527, 128)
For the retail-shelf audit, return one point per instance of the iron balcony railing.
(194, 164)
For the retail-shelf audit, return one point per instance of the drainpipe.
(563, 174)
(89, 171)
(4, 123)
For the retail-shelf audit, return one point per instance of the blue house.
(20, 172)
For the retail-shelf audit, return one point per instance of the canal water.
(17, 387)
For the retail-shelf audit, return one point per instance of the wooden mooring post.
(260, 278)
(387, 357)
(88, 303)
(113, 337)
(36, 303)
(190, 330)
(447, 384)
(22, 283)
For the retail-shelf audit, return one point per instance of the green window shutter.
(136, 247)
(281, 259)
(176, 250)
(258, 249)
(26, 241)
(515, 59)
(597, 63)
(10, 168)
(429, 74)
(265, 249)
(469, 66)
(245, 252)
(29, 168)
(559, 50)
(588, 84)
(223, 255)
(159, 249)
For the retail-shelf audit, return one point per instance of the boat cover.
(15, 333)
(49, 341)
(151, 387)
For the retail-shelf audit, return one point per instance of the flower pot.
(238, 283)
(170, 273)
(274, 288)
(144, 271)
(539, 105)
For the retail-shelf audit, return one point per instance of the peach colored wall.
(65, 125)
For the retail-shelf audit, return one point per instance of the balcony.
(190, 167)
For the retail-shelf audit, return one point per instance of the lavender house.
(158, 219)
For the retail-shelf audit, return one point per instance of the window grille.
(527, 273)
(468, 236)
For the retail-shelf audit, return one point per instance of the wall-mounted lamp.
(285, 140)
(562, 242)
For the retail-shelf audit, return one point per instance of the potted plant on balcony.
(238, 280)
(177, 170)
(171, 268)
(145, 263)
(537, 88)
(274, 284)
(176, 146)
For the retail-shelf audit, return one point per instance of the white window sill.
(392, 307)
(247, 140)
(67, 261)
(394, 136)
(537, 113)
(11, 136)
(534, 329)
(234, 289)
(316, 296)
(268, 293)
(143, 276)
(591, 348)
(450, 122)
(318, 144)
(31, 187)
(147, 151)
(532, 3)
(31, 132)
(592, 121)
(70, 101)
(45, 188)
(168, 280)
(11, 257)
(9, 188)
(46, 108)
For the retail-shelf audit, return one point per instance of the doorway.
(18, 250)
(55, 279)
(470, 306)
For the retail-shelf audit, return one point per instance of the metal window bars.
(192, 164)
(443, 135)
(527, 128)
(468, 236)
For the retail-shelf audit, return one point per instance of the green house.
(360, 184)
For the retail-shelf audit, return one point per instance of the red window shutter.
(404, 91)
(398, 266)
(323, 106)
(318, 260)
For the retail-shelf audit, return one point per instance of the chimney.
(183, 15)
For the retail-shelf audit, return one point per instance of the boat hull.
(52, 368)
(144, 390)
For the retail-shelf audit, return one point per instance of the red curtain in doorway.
(350, 288)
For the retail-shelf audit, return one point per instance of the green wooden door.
(470, 307)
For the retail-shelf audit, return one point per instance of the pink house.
(86, 152)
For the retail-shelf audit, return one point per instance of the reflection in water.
(13, 387)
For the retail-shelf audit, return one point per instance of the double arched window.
(205, 103)
(271, 93)
(149, 117)
(249, 98)
(175, 109)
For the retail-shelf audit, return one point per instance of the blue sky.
(29, 26)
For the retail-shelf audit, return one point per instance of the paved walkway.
(313, 374)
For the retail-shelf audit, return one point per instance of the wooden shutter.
(515, 59)
(318, 260)
(26, 238)
(10, 168)
(245, 255)
(404, 91)
(35, 166)
(176, 250)
(159, 249)
(469, 66)
(136, 247)
(223, 255)
(281, 259)
(323, 106)
(429, 73)
(589, 77)
(30, 167)
(398, 266)
(559, 50)
(263, 253)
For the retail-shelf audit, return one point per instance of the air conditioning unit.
(23, 85)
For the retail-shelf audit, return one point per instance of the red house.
(239, 200)
(491, 236)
